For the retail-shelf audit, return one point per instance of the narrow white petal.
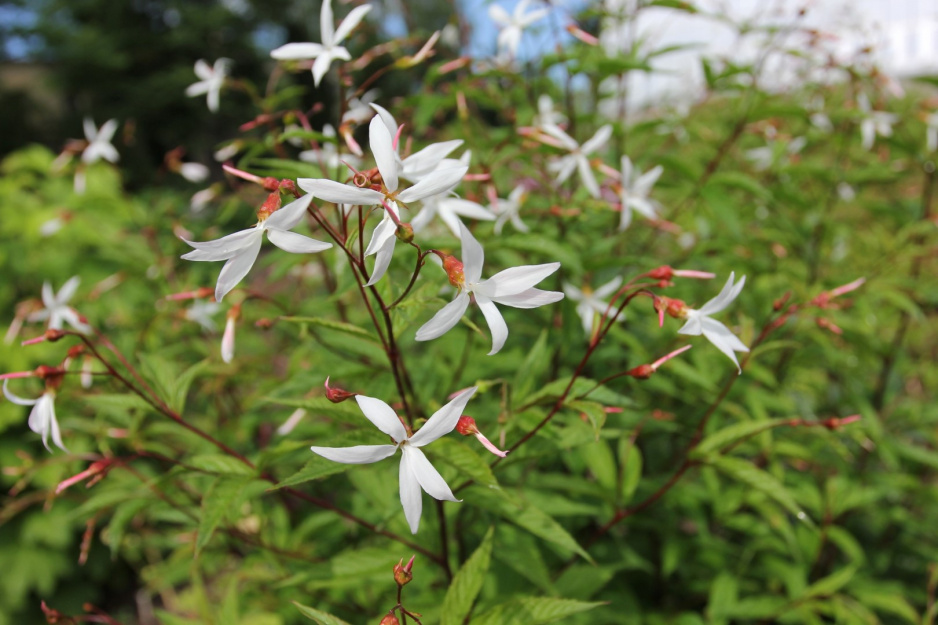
(725, 297)
(350, 22)
(228, 341)
(321, 66)
(721, 340)
(382, 261)
(106, 131)
(295, 243)
(557, 133)
(598, 140)
(290, 215)
(202, 70)
(54, 428)
(386, 229)
(443, 420)
(587, 314)
(586, 175)
(516, 279)
(360, 454)
(385, 156)
(48, 295)
(386, 117)
(427, 476)
(383, 417)
(297, 51)
(411, 497)
(445, 318)
(327, 24)
(609, 288)
(237, 267)
(472, 255)
(428, 159)
(16, 399)
(70, 316)
(644, 206)
(223, 248)
(647, 180)
(496, 323)
(424, 217)
(338, 193)
(466, 208)
(197, 88)
(39, 418)
(91, 131)
(693, 325)
(68, 290)
(439, 181)
(499, 15)
(530, 298)
(213, 99)
(565, 167)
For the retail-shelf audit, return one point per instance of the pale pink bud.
(228, 339)
(86, 376)
(467, 425)
(291, 422)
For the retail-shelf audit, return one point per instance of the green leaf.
(631, 461)
(827, 586)
(467, 583)
(729, 435)
(533, 611)
(889, 603)
(332, 324)
(459, 455)
(320, 617)
(749, 474)
(535, 363)
(223, 494)
(220, 464)
(317, 467)
(526, 516)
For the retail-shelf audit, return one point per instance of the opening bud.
(389, 619)
(337, 395)
(50, 335)
(403, 573)
(673, 307)
(271, 204)
(453, 268)
(467, 426)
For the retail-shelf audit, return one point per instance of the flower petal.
(70, 316)
(496, 322)
(467, 208)
(439, 181)
(385, 230)
(54, 428)
(427, 476)
(68, 290)
(223, 248)
(386, 117)
(726, 296)
(321, 66)
(385, 156)
(424, 161)
(350, 22)
(411, 497)
(598, 140)
(724, 340)
(383, 417)
(517, 279)
(290, 215)
(586, 175)
(297, 51)
(443, 420)
(445, 318)
(472, 255)
(48, 295)
(327, 24)
(360, 454)
(338, 193)
(382, 261)
(237, 267)
(295, 243)
(16, 399)
(530, 298)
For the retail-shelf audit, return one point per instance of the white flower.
(202, 312)
(359, 109)
(211, 80)
(416, 472)
(201, 199)
(99, 142)
(511, 26)
(546, 115)
(590, 303)
(509, 210)
(194, 172)
(577, 159)
(634, 194)
(931, 132)
(57, 309)
(699, 321)
(763, 158)
(329, 50)
(389, 165)
(241, 248)
(328, 156)
(512, 287)
(42, 417)
(874, 122)
(423, 162)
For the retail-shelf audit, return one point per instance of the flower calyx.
(467, 426)
(674, 308)
(337, 395)
(403, 573)
(453, 268)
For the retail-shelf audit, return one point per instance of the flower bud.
(405, 232)
(271, 205)
(453, 268)
(337, 395)
(467, 425)
(389, 619)
(641, 372)
(403, 572)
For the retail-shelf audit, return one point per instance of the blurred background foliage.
(771, 522)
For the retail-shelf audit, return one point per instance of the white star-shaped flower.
(416, 472)
(422, 162)
(636, 187)
(329, 50)
(211, 80)
(546, 114)
(99, 142)
(699, 321)
(512, 26)
(389, 165)
(578, 156)
(764, 157)
(509, 210)
(57, 311)
(241, 248)
(42, 417)
(512, 287)
(590, 303)
(874, 122)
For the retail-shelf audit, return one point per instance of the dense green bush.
(799, 491)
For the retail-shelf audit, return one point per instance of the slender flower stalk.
(416, 472)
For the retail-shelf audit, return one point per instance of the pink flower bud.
(336, 394)
(467, 425)
(228, 338)
(403, 573)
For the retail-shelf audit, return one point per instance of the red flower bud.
(337, 395)
(389, 619)
(403, 572)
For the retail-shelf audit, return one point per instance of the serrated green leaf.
(749, 474)
(467, 583)
(320, 617)
(222, 495)
(525, 516)
(459, 455)
(533, 611)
